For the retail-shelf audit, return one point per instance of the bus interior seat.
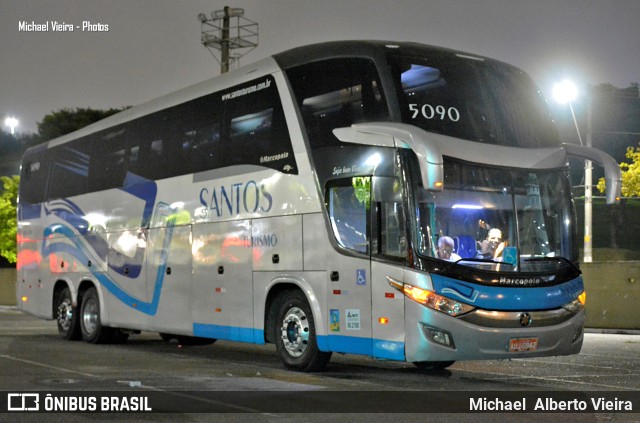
(465, 246)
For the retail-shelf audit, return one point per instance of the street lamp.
(11, 122)
(566, 92)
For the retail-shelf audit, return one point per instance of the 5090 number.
(428, 111)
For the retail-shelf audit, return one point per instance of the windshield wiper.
(562, 259)
(481, 260)
(476, 260)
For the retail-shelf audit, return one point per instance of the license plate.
(523, 344)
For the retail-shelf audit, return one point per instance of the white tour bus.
(394, 200)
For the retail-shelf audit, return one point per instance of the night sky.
(152, 47)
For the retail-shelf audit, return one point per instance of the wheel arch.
(58, 287)
(283, 284)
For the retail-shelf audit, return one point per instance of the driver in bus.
(491, 248)
(445, 249)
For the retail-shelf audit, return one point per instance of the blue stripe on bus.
(509, 298)
(77, 251)
(378, 348)
(348, 344)
(388, 350)
(229, 333)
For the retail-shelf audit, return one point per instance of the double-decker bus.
(393, 200)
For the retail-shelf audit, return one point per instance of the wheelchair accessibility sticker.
(361, 277)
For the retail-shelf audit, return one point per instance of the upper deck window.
(336, 93)
(472, 98)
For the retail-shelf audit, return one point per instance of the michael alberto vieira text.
(550, 404)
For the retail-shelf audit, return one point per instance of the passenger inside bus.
(492, 246)
(445, 249)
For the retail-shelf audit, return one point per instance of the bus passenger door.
(389, 255)
(349, 267)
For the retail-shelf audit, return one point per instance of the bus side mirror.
(612, 172)
(400, 135)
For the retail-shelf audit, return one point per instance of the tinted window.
(337, 93)
(475, 99)
(108, 158)
(254, 127)
(366, 215)
(244, 125)
(33, 179)
(348, 203)
(150, 147)
(69, 172)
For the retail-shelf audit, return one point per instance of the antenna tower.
(228, 32)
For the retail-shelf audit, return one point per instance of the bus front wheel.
(295, 334)
(92, 329)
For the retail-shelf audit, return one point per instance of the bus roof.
(244, 74)
(375, 49)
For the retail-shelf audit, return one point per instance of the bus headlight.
(431, 299)
(576, 305)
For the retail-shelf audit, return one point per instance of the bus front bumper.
(434, 336)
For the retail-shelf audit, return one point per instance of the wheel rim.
(90, 315)
(65, 314)
(295, 332)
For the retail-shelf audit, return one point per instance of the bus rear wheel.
(295, 334)
(92, 329)
(67, 316)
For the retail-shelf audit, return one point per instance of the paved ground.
(239, 378)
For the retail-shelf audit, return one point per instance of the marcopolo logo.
(520, 281)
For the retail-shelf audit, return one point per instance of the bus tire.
(433, 365)
(67, 316)
(295, 334)
(92, 329)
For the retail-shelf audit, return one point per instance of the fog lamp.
(439, 336)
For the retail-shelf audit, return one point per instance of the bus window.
(69, 171)
(254, 127)
(337, 93)
(348, 204)
(109, 167)
(198, 132)
(147, 139)
(473, 99)
(388, 224)
(35, 170)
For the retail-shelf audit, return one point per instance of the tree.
(630, 174)
(11, 149)
(64, 121)
(630, 188)
(8, 217)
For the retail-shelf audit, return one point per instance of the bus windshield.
(519, 219)
(472, 98)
